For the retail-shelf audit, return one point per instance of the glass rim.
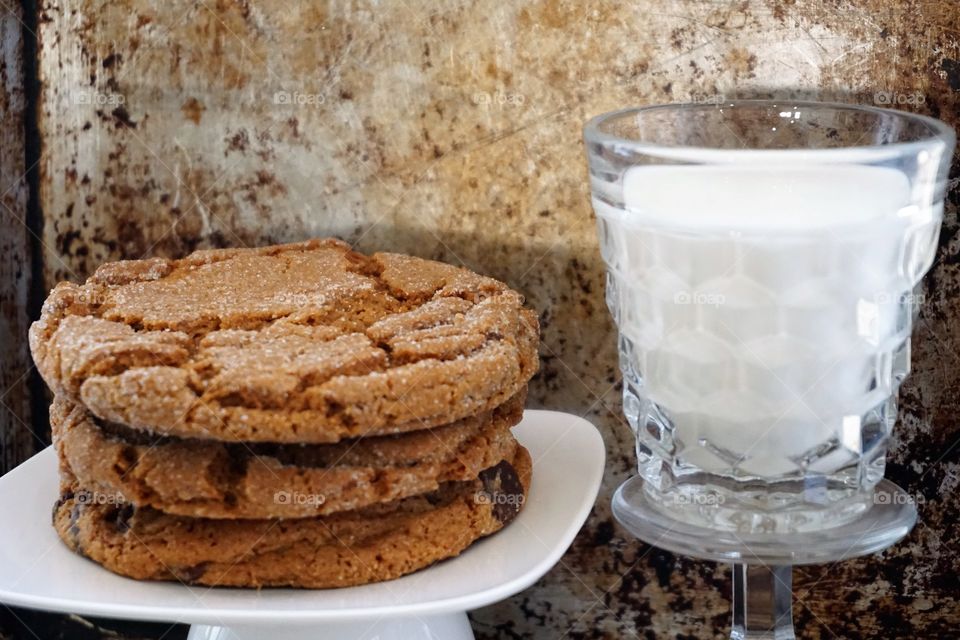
(940, 135)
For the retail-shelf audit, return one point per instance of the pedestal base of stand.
(450, 626)
(762, 563)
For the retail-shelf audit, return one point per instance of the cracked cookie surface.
(306, 342)
(215, 479)
(344, 549)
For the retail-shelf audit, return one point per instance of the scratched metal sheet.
(16, 438)
(452, 130)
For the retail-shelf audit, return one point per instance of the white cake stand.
(37, 571)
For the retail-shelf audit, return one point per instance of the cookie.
(307, 342)
(214, 479)
(344, 549)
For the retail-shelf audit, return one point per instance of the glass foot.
(762, 563)
(890, 517)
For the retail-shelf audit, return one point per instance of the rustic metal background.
(452, 130)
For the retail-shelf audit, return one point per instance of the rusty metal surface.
(452, 130)
(16, 439)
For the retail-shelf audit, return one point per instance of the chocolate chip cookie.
(349, 548)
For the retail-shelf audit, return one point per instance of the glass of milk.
(764, 262)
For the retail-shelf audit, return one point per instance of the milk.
(766, 309)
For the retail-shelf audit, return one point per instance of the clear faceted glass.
(763, 268)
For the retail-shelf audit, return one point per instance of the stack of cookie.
(296, 415)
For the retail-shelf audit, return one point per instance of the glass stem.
(762, 598)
